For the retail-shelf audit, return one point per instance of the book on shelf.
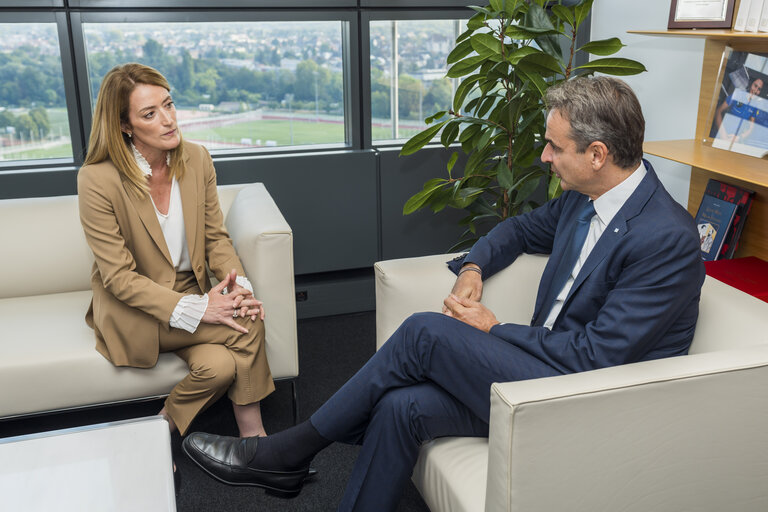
(742, 198)
(763, 25)
(740, 19)
(749, 274)
(754, 15)
(713, 220)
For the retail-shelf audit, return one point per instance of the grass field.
(284, 133)
(277, 132)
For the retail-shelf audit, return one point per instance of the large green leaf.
(486, 105)
(536, 79)
(603, 47)
(553, 187)
(485, 138)
(565, 14)
(527, 186)
(538, 19)
(452, 162)
(464, 35)
(461, 50)
(421, 139)
(450, 133)
(434, 117)
(469, 132)
(419, 199)
(466, 66)
(504, 176)
(614, 66)
(540, 63)
(475, 22)
(582, 11)
(462, 90)
(497, 5)
(521, 53)
(521, 32)
(486, 45)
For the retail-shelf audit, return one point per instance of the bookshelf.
(707, 162)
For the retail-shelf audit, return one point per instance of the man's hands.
(470, 312)
(238, 301)
(464, 301)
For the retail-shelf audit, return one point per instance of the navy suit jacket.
(636, 297)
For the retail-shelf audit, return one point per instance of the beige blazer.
(133, 275)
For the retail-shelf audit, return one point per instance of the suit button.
(199, 268)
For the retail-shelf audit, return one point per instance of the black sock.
(290, 449)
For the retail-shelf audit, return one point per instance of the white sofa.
(47, 357)
(681, 434)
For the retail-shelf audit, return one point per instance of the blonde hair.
(108, 141)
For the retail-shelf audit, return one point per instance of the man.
(622, 285)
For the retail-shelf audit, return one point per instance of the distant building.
(206, 107)
(231, 106)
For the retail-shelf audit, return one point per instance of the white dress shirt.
(606, 207)
(190, 308)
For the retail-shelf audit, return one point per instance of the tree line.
(31, 79)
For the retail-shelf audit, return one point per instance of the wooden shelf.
(710, 163)
(711, 33)
(725, 163)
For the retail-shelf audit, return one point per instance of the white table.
(110, 467)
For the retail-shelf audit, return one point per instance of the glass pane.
(408, 67)
(33, 110)
(236, 85)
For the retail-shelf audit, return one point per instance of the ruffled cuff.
(244, 282)
(188, 312)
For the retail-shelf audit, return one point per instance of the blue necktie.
(567, 260)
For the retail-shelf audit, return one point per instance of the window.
(237, 85)
(33, 114)
(408, 67)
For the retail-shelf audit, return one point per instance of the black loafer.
(226, 459)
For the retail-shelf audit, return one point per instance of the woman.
(739, 104)
(150, 211)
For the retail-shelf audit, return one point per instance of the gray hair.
(601, 109)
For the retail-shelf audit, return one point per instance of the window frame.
(68, 76)
(349, 52)
(365, 68)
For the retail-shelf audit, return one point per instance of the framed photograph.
(701, 13)
(738, 114)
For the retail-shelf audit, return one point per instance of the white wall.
(669, 90)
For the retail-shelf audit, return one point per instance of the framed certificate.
(701, 14)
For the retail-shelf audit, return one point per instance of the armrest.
(410, 285)
(264, 242)
(685, 433)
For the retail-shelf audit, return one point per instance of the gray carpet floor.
(331, 349)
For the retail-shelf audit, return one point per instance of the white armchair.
(680, 434)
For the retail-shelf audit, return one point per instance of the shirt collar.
(142, 162)
(609, 203)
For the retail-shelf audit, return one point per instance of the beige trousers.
(220, 360)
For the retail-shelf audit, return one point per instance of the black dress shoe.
(226, 459)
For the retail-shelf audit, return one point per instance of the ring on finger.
(234, 314)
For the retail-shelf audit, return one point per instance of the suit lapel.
(618, 227)
(146, 212)
(189, 202)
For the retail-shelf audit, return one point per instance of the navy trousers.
(431, 379)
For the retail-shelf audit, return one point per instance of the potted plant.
(508, 57)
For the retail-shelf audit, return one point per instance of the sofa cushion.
(63, 370)
(451, 473)
(44, 248)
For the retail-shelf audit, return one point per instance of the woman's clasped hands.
(228, 300)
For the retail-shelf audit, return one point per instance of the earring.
(129, 134)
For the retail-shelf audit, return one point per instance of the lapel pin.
(615, 230)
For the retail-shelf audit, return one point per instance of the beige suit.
(134, 283)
